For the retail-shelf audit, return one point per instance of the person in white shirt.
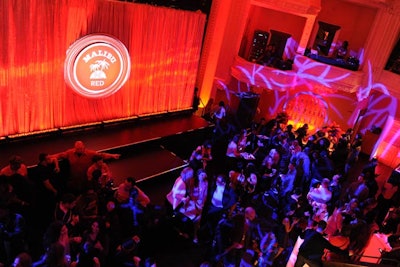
(318, 198)
(232, 154)
(320, 194)
(219, 117)
(221, 199)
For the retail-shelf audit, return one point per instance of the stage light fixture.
(125, 119)
(80, 126)
(30, 134)
(152, 115)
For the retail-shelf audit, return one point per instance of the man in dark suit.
(312, 249)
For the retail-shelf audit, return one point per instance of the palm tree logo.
(97, 69)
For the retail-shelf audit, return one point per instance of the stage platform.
(149, 163)
(149, 147)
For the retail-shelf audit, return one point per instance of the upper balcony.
(305, 72)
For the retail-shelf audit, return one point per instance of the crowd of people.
(274, 185)
(247, 207)
(66, 211)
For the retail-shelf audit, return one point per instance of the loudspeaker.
(260, 39)
(244, 106)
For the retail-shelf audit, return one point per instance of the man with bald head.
(79, 159)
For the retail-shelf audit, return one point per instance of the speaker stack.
(259, 44)
(244, 105)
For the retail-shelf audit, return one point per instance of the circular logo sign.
(97, 66)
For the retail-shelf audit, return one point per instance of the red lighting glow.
(164, 49)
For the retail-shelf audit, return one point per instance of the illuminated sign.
(97, 66)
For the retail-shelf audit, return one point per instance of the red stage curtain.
(164, 46)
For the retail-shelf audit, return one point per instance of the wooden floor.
(143, 144)
(147, 165)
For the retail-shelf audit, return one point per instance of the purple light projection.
(321, 82)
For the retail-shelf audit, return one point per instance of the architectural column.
(382, 38)
(305, 38)
(216, 28)
(237, 23)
